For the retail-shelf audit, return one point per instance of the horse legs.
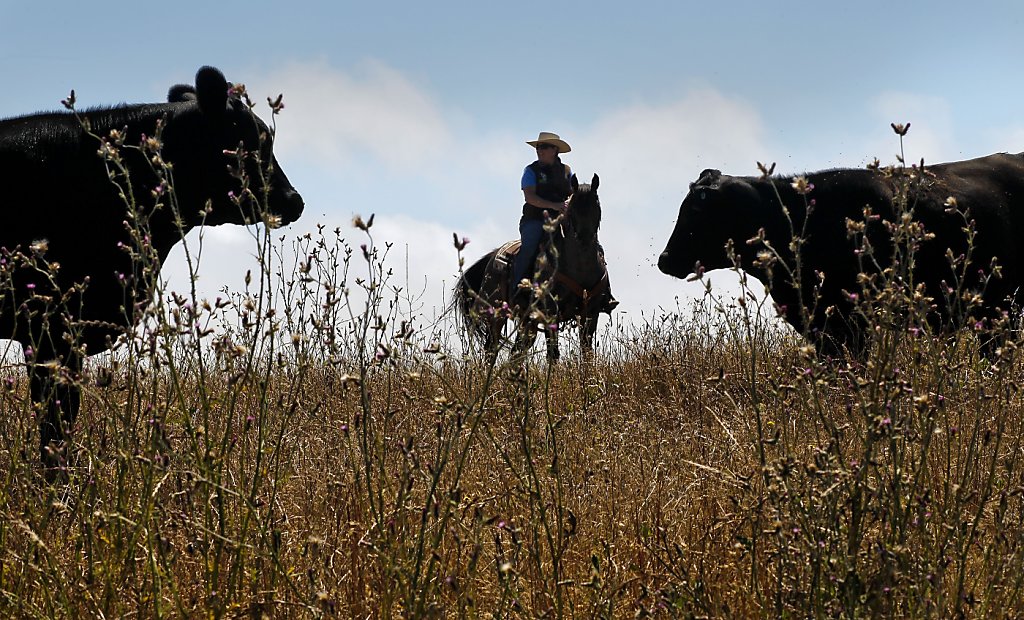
(588, 327)
(551, 335)
(492, 341)
(526, 334)
(54, 389)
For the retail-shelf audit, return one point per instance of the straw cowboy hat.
(546, 137)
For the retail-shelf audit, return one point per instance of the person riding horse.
(546, 184)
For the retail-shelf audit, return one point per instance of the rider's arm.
(529, 185)
(530, 194)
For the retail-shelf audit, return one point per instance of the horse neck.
(580, 260)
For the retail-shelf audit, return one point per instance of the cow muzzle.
(665, 264)
(286, 205)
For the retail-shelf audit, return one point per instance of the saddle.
(505, 256)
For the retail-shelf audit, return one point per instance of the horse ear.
(575, 184)
(594, 183)
(212, 92)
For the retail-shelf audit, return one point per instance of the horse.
(570, 283)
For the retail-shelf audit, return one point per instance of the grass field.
(311, 447)
(298, 453)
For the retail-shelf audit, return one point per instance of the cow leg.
(841, 335)
(57, 397)
(993, 338)
(1016, 320)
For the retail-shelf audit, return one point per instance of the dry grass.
(432, 486)
(302, 450)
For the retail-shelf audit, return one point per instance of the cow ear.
(575, 184)
(594, 183)
(181, 92)
(710, 176)
(211, 92)
(708, 179)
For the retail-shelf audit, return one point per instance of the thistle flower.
(108, 152)
(276, 105)
(271, 220)
(150, 144)
(460, 245)
(358, 222)
(802, 185)
(39, 246)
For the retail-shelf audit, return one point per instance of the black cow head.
(222, 156)
(718, 208)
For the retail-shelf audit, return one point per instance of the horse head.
(584, 212)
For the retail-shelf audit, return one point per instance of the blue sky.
(418, 112)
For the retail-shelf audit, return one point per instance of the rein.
(585, 294)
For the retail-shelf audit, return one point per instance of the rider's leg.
(530, 233)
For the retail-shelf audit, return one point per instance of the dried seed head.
(900, 128)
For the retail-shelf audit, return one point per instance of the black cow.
(988, 192)
(76, 261)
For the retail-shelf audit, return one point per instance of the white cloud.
(647, 156)
(931, 134)
(652, 146)
(1005, 139)
(220, 256)
(422, 257)
(337, 117)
